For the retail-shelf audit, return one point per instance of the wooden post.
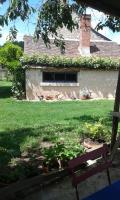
(116, 109)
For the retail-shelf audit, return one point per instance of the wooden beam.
(110, 7)
(116, 109)
(116, 114)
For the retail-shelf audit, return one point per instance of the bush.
(59, 154)
(18, 83)
(97, 131)
(10, 55)
(10, 58)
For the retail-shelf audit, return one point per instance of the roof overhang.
(111, 7)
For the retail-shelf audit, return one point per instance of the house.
(69, 83)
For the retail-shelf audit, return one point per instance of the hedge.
(79, 62)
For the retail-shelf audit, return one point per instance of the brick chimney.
(85, 30)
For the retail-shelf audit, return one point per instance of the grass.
(24, 125)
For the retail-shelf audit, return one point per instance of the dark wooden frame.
(97, 153)
(116, 114)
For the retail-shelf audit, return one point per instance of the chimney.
(85, 30)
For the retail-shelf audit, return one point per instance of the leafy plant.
(59, 154)
(10, 58)
(18, 83)
(97, 131)
(78, 62)
(10, 55)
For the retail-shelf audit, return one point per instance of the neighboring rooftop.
(84, 41)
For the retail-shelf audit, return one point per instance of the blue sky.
(27, 28)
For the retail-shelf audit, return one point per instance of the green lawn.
(22, 114)
(24, 125)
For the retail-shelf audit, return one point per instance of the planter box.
(24, 188)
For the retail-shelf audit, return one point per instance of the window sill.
(59, 84)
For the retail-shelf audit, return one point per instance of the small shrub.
(18, 83)
(97, 131)
(10, 58)
(59, 154)
(10, 55)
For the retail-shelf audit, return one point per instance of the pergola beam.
(110, 7)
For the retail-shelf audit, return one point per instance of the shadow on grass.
(12, 144)
(5, 91)
(11, 140)
(91, 119)
(10, 148)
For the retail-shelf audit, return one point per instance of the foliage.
(26, 126)
(97, 131)
(10, 55)
(19, 43)
(61, 152)
(51, 15)
(12, 34)
(15, 9)
(80, 62)
(10, 58)
(111, 22)
(18, 83)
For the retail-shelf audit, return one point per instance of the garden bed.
(53, 164)
(26, 129)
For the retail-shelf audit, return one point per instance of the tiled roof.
(105, 49)
(75, 34)
(99, 45)
(97, 36)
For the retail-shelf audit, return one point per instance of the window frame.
(55, 74)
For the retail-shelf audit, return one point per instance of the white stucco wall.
(101, 84)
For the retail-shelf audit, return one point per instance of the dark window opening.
(61, 77)
(48, 76)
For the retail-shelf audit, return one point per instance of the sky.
(27, 28)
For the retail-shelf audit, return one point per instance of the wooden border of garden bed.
(24, 188)
(21, 189)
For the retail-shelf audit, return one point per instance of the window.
(61, 77)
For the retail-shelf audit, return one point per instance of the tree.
(10, 55)
(19, 43)
(52, 14)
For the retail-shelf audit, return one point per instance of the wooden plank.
(24, 188)
(116, 109)
(116, 114)
(92, 155)
(77, 179)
